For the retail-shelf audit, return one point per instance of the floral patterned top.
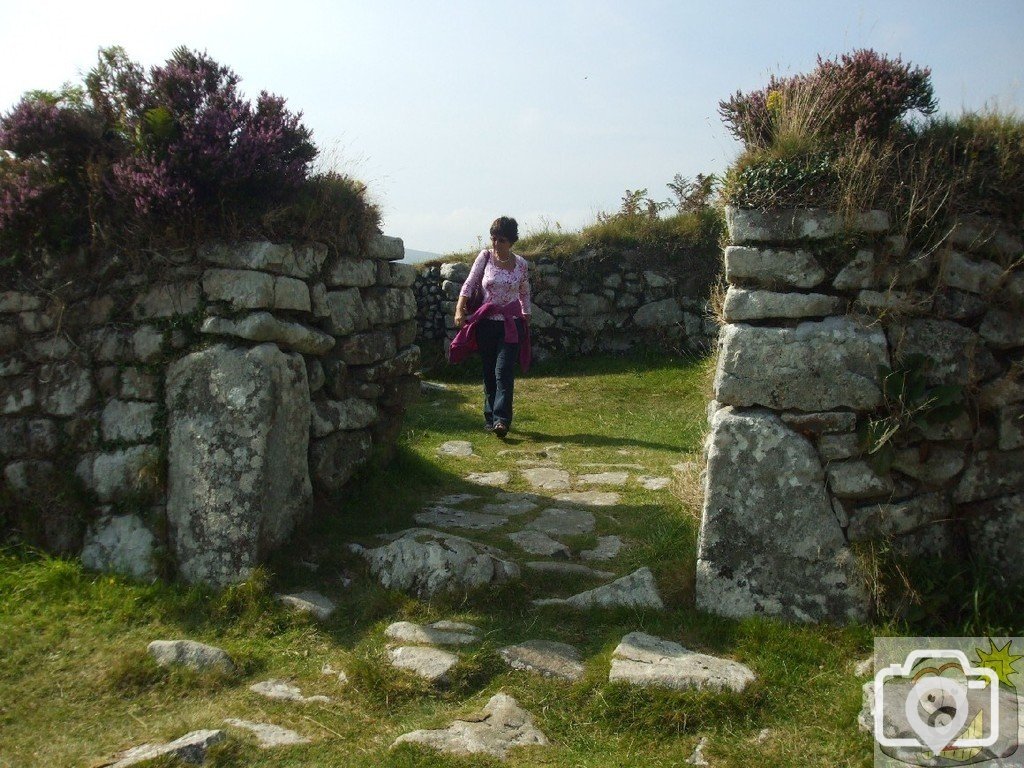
(500, 285)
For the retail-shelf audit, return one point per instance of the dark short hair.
(507, 227)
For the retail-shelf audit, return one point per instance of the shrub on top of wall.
(131, 159)
(845, 137)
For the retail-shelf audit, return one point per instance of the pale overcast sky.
(547, 110)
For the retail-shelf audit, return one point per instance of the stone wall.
(606, 301)
(817, 315)
(175, 415)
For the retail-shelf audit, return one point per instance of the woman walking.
(500, 328)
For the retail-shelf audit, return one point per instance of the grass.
(76, 684)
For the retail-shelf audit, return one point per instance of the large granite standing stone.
(238, 477)
(765, 483)
(816, 366)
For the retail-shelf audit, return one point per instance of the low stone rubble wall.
(176, 417)
(607, 302)
(812, 449)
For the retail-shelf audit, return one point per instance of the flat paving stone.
(563, 522)
(309, 602)
(654, 483)
(545, 657)
(638, 467)
(511, 508)
(501, 726)
(539, 543)
(431, 664)
(603, 478)
(282, 690)
(637, 590)
(645, 660)
(489, 478)
(446, 517)
(454, 499)
(268, 734)
(591, 498)
(547, 479)
(462, 449)
(575, 569)
(438, 633)
(607, 548)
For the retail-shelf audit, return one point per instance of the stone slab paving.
(188, 653)
(637, 467)
(454, 499)
(268, 734)
(461, 449)
(282, 690)
(427, 562)
(500, 727)
(545, 657)
(645, 660)
(489, 478)
(547, 479)
(603, 478)
(654, 483)
(438, 633)
(637, 590)
(539, 543)
(563, 522)
(511, 508)
(309, 602)
(191, 748)
(607, 548)
(574, 569)
(432, 664)
(448, 517)
(591, 498)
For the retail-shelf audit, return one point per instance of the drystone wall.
(176, 417)
(598, 301)
(835, 421)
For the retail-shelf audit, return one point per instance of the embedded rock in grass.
(190, 748)
(545, 657)
(237, 472)
(446, 517)
(654, 483)
(489, 478)
(697, 756)
(309, 602)
(816, 366)
(431, 664)
(455, 498)
(603, 478)
(547, 479)
(267, 734)
(637, 590)
(537, 543)
(438, 633)
(512, 504)
(590, 498)
(281, 690)
(563, 522)
(120, 544)
(188, 653)
(501, 726)
(572, 569)
(458, 448)
(641, 659)
(607, 548)
(766, 484)
(427, 562)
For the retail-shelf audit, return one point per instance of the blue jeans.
(499, 361)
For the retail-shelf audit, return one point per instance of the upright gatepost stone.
(237, 470)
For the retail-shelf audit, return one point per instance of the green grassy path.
(76, 684)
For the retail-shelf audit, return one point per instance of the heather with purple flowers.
(133, 156)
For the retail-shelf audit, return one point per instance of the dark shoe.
(488, 427)
(500, 429)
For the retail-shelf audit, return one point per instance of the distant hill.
(413, 256)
